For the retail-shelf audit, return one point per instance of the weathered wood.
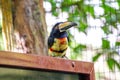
(30, 61)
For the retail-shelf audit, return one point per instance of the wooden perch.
(35, 62)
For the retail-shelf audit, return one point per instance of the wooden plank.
(46, 63)
(92, 74)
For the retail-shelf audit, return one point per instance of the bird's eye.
(57, 27)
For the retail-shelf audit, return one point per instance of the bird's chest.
(60, 44)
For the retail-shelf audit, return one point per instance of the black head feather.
(55, 33)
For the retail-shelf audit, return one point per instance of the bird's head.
(59, 29)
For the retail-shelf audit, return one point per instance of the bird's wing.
(50, 42)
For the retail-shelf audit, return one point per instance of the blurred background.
(95, 39)
(97, 36)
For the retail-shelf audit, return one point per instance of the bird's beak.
(66, 25)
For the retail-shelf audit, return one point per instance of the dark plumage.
(55, 33)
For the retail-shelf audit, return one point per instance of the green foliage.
(105, 44)
(96, 57)
(112, 63)
(117, 44)
(110, 14)
(109, 57)
(79, 48)
(118, 1)
(83, 26)
(108, 9)
(90, 9)
(53, 3)
(106, 29)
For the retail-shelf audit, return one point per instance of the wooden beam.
(30, 61)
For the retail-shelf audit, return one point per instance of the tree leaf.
(55, 13)
(117, 44)
(110, 63)
(111, 19)
(90, 9)
(96, 57)
(105, 44)
(108, 9)
(106, 29)
(79, 48)
(66, 9)
(117, 64)
(53, 3)
(82, 46)
(83, 26)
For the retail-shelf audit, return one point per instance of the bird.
(58, 39)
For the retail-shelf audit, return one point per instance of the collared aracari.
(58, 39)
